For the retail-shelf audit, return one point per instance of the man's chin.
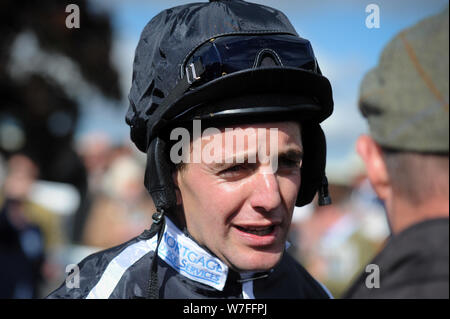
(257, 261)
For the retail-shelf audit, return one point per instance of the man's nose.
(266, 193)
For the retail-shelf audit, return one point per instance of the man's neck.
(403, 214)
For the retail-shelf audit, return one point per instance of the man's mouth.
(258, 231)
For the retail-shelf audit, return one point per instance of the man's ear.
(377, 173)
(175, 176)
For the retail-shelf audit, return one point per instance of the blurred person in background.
(405, 100)
(22, 245)
(121, 208)
(117, 206)
(94, 150)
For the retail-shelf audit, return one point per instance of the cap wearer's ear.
(377, 173)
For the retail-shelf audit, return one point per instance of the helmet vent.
(152, 108)
(158, 93)
(267, 58)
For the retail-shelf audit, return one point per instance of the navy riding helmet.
(225, 61)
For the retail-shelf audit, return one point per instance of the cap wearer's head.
(405, 98)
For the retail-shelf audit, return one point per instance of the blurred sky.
(345, 48)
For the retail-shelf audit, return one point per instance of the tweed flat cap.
(405, 97)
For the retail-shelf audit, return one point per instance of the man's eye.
(287, 163)
(235, 171)
(235, 168)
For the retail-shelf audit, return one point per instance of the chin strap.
(158, 225)
(324, 196)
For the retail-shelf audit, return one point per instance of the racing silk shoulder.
(103, 274)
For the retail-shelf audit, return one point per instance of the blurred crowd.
(53, 185)
(46, 226)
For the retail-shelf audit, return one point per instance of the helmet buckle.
(191, 73)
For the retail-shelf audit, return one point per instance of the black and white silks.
(185, 271)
